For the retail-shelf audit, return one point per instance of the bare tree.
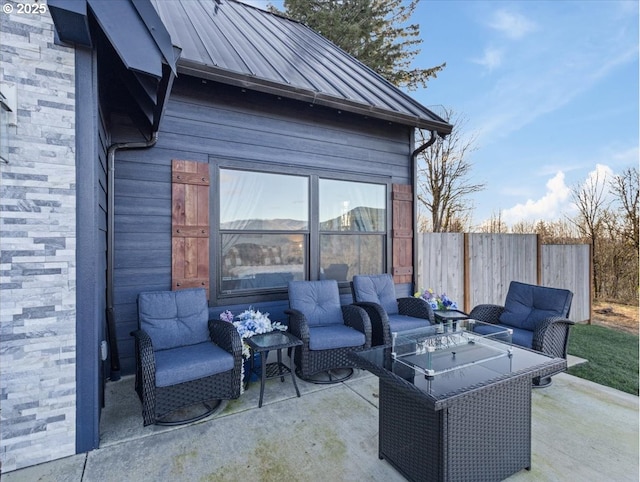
(443, 177)
(549, 232)
(625, 189)
(560, 231)
(494, 224)
(589, 198)
(529, 227)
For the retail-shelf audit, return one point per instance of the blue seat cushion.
(191, 362)
(527, 305)
(519, 337)
(174, 318)
(376, 289)
(329, 337)
(399, 323)
(318, 301)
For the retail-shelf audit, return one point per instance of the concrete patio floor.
(581, 432)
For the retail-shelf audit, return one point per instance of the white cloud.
(513, 25)
(557, 199)
(597, 184)
(602, 172)
(599, 177)
(491, 59)
(547, 208)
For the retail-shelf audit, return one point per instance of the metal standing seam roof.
(234, 43)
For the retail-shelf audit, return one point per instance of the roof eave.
(225, 76)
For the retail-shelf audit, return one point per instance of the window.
(278, 227)
(264, 229)
(352, 228)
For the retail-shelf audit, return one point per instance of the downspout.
(414, 162)
(111, 168)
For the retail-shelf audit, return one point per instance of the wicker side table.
(443, 316)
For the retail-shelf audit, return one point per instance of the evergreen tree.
(373, 31)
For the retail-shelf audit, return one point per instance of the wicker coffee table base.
(485, 436)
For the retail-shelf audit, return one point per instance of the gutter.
(414, 162)
(111, 327)
(227, 77)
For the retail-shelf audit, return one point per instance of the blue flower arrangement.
(251, 322)
(437, 302)
(248, 323)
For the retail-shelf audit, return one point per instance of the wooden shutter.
(189, 225)
(402, 233)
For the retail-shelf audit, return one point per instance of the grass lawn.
(612, 355)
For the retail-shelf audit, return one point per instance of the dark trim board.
(102, 226)
(90, 258)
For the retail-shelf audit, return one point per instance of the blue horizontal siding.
(205, 121)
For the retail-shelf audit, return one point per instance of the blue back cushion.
(377, 289)
(174, 318)
(319, 301)
(526, 305)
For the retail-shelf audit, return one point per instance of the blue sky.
(550, 88)
(549, 91)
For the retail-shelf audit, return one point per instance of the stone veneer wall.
(37, 247)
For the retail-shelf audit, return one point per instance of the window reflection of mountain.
(362, 219)
(264, 225)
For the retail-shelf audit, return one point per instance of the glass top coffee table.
(450, 346)
(263, 344)
(455, 404)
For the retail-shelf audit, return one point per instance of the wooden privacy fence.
(475, 268)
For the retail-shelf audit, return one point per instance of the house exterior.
(162, 145)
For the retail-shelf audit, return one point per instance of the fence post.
(538, 259)
(465, 274)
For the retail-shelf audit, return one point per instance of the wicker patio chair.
(328, 330)
(185, 363)
(538, 316)
(376, 294)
